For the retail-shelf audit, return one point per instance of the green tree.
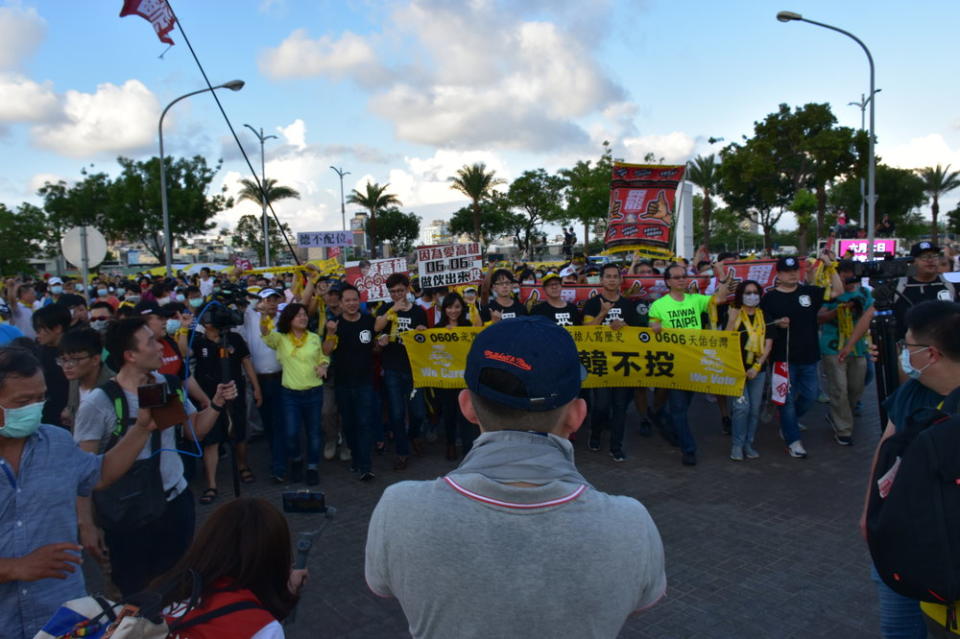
(753, 184)
(804, 205)
(248, 234)
(250, 191)
(85, 203)
(936, 182)
(375, 199)
(398, 227)
(21, 236)
(537, 196)
(495, 218)
(587, 191)
(900, 192)
(477, 183)
(704, 171)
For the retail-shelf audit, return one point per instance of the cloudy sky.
(408, 91)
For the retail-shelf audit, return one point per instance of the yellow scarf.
(756, 333)
(844, 324)
(712, 313)
(266, 320)
(822, 277)
(298, 342)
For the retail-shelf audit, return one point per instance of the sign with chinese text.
(701, 361)
(859, 246)
(642, 200)
(449, 265)
(324, 239)
(370, 277)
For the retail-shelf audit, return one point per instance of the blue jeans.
(359, 421)
(804, 389)
(900, 617)
(303, 407)
(609, 410)
(454, 423)
(746, 412)
(678, 404)
(271, 414)
(399, 387)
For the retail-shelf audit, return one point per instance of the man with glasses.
(503, 305)
(82, 364)
(925, 284)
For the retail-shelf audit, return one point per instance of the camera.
(304, 501)
(223, 311)
(152, 395)
(878, 270)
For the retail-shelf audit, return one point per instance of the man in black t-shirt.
(393, 320)
(503, 305)
(796, 305)
(350, 342)
(609, 408)
(554, 307)
(925, 285)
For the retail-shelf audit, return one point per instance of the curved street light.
(791, 16)
(233, 85)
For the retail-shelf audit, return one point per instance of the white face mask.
(751, 299)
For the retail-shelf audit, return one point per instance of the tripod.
(883, 331)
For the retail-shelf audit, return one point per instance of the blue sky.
(406, 92)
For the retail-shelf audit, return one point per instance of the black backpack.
(137, 498)
(913, 515)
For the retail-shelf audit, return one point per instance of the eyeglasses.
(503, 283)
(902, 343)
(69, 362)
(928, 257)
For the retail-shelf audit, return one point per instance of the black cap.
(788, 263)
(147, 307)
(846, 265)
(923, 247)
(71, 300)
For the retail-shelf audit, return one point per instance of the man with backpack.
(906, 496)
(145, 537)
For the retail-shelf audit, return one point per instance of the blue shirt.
(39, 507)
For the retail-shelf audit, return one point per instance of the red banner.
(370, 277)
(156, 11)
(642, 200)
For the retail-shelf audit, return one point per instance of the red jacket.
(239, 624)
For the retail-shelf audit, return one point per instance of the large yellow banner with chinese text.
(695, 360)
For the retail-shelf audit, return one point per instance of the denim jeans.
(399, 387)
(454, 423)
(303, 408)
(678, 404)
(900, 617)
(358, 418)
(804, 389)
(271, 413)
(609, 410)
(746, 412)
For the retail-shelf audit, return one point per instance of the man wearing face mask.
(100, 315)
(54, 291)
(930, 358)
(43, 475)
(104, 294)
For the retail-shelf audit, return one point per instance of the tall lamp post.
(789, 16)
(233, 85)
(864, 101)
(263, 196)
(343, 210)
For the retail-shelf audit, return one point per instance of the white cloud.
(115, 118)
(300, 56)
(295, 133)
(21, 31)
(674, 148)
(23, 100)
(922, 152)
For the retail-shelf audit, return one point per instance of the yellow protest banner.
(701, 361)
(329, 266)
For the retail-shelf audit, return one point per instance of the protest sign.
(642, 201)
(370, 277)
(859, 247)
(324, 239)
(449, 265)
(694, 360)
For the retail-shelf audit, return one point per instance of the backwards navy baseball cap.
(527, 363)
(923, 247)
(788, 263)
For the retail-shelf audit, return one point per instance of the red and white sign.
(158, 12)
(243, 264)
(370, 277)
(449, 265)
(859, 246)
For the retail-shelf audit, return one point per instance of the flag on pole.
(156, 11)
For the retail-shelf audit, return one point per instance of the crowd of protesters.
(321, 375)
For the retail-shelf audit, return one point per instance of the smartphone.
(152, 395)
(304, 501)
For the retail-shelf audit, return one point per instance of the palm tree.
(705, 173)
(476, 183)
(374, 200)
(936, 182)
(250, 191)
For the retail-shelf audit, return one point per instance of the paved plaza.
(763, 548)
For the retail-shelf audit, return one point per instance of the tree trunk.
(476, 221)
(586, 238)
(767, 233)
(802, 238)
(707, 211)
(935, 209)
(821, 211)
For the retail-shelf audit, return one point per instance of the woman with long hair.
(304, 366)
(242, 557)
(454, 314)
(756, 342)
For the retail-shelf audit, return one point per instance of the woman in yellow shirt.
(301, 399)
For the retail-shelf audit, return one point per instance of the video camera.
(226, 314)
(883, 275)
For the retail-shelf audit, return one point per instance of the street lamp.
(263, 194)
(863, 111)
(343, 211)
(789, 16)
(233, 85)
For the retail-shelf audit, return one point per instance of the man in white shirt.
(22, 299)
(269, 374)
(206, 283)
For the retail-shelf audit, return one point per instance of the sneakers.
(843, 440)
(823, 398)
(618, 455)
(750, 453)
(736, 454)
(796, 450)
(367, 476)
(594, 445)
(689, 459)
(726, 425)
(345, 453)
(313, 477)
(330, 450)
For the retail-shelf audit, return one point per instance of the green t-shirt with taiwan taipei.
(686, 313)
